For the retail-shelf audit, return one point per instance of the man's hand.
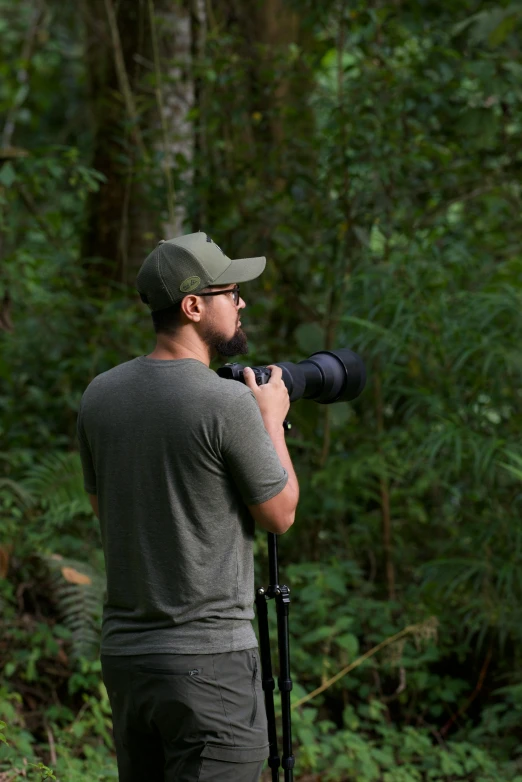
(272, 397)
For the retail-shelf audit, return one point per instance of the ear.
(192, 308)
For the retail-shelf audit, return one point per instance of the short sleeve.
(249, 454)
(89, 473)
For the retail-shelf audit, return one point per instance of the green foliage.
(77, 590)
(375, 160)
(20, 767)
(57, 481)
(46, 507)
(370, 749)
(79, 753)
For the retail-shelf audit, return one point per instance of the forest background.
(371, 150)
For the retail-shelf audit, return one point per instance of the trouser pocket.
(254, 691)
(238, 678)
(169, 671)
(224, 764)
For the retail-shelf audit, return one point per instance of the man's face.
(222, 330)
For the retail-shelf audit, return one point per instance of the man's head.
(190, 286)
(214, 314)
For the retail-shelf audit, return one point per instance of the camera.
(325, 377)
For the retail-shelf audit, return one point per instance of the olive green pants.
(187, 717)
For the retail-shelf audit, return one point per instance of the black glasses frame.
(234, 291)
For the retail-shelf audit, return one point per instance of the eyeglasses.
(234, 291)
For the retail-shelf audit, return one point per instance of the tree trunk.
(141, 89)
(180, 31)
(261, 123)
(269, 94)
(107, 240)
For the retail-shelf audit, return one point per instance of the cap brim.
(242, 270)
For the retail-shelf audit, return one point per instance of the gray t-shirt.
(175, 454)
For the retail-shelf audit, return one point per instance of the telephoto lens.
(325, 377)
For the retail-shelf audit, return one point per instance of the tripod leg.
(268, 681)
(284, 681)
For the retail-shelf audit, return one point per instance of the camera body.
(236, 372)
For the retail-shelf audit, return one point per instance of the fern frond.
(24, 497)
(57, 483)
(77, 589)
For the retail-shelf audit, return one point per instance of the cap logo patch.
(190, 284)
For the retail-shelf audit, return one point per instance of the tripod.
(281, 594)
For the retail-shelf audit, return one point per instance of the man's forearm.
(277, 435)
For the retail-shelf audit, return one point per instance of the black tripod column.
(284, 681)
(268, 680)
(281, 594)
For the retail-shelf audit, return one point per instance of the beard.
(218, 346)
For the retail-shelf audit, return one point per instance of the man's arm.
(93, 498)
(278, 514)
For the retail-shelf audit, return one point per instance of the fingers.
(250, 379)
(276, 373)
(276, 376)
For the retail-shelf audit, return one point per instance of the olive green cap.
(187, 264)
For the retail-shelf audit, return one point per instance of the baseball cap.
(187, 264)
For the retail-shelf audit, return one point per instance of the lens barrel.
(333, 376)
(326, 377)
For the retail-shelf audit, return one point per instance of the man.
(180, 464)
